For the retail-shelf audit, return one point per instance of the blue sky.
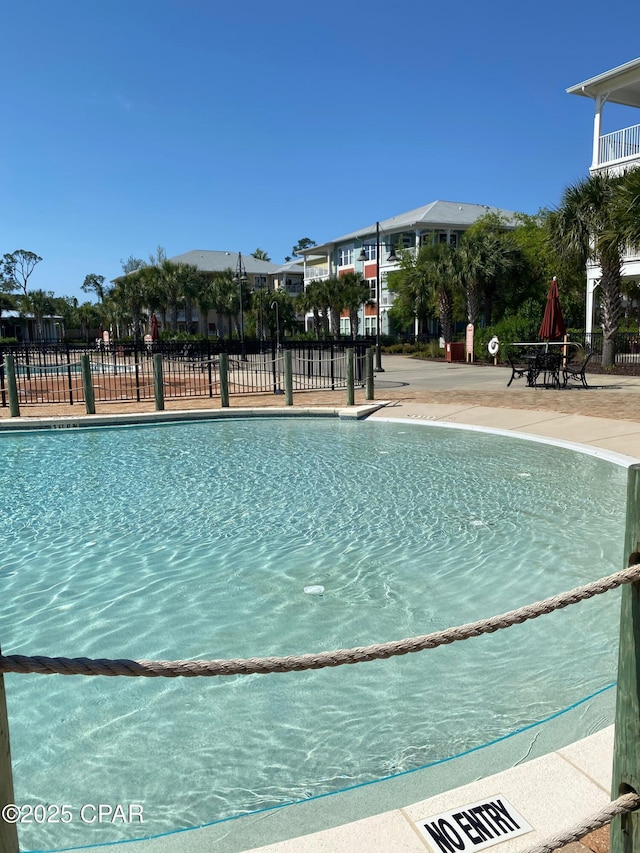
(193, 124)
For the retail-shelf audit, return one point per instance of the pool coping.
(578, 775)
(61, 422)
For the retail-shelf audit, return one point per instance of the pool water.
(197, 540)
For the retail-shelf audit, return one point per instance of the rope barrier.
(623, 805)
(296, 663)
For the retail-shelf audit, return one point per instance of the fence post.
(224, 380)
(87, 385)
(350, 392)
(625, 829)
(8, 831)
(158, 381)
(369, 374)
(10, 370)
(288, 378)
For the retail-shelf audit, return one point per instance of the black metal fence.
(627, 346)
(124, 371)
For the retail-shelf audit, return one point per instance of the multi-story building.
(439, 221)
(613, 151)
(257, 275)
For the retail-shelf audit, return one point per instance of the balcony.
(621, 147)
(317, 271)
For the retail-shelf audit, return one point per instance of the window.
(345, 256)
(345, 326)
(369, 250)
(373, 289)
(259, 282)
(370, 325)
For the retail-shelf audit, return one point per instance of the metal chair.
(575, 370)
(518, 371)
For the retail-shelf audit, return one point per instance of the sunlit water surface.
(197, 541)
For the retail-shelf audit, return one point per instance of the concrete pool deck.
(556, 790)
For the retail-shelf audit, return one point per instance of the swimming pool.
(197, 541)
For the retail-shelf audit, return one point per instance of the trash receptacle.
(454, 352)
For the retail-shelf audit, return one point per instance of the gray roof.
(621, 85)
(437, 214)
(291, 267)
(211, 261)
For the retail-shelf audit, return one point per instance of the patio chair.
(518, 370)
(575, 370)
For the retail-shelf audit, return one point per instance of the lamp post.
(273, 305)
(392, 257)
(378, 368)
(239, 277)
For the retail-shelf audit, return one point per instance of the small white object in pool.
(315, 589)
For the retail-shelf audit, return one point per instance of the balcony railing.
(619, 145)
(317, 272)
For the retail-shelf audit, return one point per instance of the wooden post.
(87, 385)
(12, 385)
(625, 829)
(288, 378)
(224, 380)
(8, 831)
(369, 374)
(158, 381)
(350, 391)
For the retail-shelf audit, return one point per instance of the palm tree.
(333, 294)
(316, 298)
(204, 299)
(39, 303)
(225, 296)
(427, 281)
(307, 302)
(355, 293)
(587, 226)
(260, 255)
(483, 261)
(627, 208)
(130, 293)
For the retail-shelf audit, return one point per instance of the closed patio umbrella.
(155, 333)
(553, 327)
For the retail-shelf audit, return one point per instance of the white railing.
(317, 272)
(619, 145)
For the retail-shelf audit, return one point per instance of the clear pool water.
(198, 540)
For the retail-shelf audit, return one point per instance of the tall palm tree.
(130, 293)
(307, 302)
(428, 280)
(226, 296)
(332, 292)
(39, 303)
(627, 208)
(586, 225)
(355, 293)
(316, 298)
(483, 262)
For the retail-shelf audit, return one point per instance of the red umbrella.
(155, 333)
(553, 326)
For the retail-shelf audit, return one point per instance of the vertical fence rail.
(625, 829)
(8, 831)
(10, 370)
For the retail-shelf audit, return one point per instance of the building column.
(597, 129)
(592, 283)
